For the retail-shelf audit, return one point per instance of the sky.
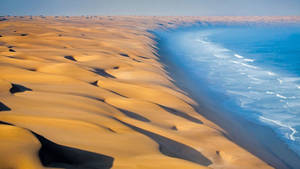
(151, 7)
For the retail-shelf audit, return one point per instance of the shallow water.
(253, 71)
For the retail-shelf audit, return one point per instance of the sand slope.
(89, 92)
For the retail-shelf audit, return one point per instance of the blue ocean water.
(253, 71)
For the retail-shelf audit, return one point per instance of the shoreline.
(248, 135)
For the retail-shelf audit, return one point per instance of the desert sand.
(90, 92)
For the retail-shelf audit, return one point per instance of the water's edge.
(257, 139)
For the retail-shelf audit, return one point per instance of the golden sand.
(90, 92)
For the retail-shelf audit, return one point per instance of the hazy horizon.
(154, 7)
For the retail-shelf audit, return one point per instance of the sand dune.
(90, 92)
(50, 154)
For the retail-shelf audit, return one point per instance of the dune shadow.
(124, 54)
(5, 123)
(134, 115)
(16, 88)
(143, 57)
(116, 93)
(58, 156)
(94, 83)
(70, 58)
(136, 60)
(181, 114)
(102, 72)
(173, 148)
(91, 97)
(3, 107)
(174, 128)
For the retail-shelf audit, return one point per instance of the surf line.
(294, 131)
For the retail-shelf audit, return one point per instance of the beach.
(92, 92)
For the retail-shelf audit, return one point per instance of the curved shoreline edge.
(92, 88)
(258, 139)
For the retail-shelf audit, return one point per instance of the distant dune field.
(90, 92)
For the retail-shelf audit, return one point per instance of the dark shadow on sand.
(173, 148)
(3, 107)
(143, 57)
(181, 114)
(102, 72)
(70, 58)
(16, 88)
(124, 54)
(134, 115)
(54, 155)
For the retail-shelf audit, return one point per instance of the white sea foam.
(243, 64)
(254, 78)
(236, 62)
(271, 73)
(249, 60)
(220, 55)
(202, 41)
(238, 56)
(247, 65)
(294, 131)
(269, 92)
(280, 96)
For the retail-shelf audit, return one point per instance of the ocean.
(251, 71)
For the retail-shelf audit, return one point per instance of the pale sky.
(151, 7)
